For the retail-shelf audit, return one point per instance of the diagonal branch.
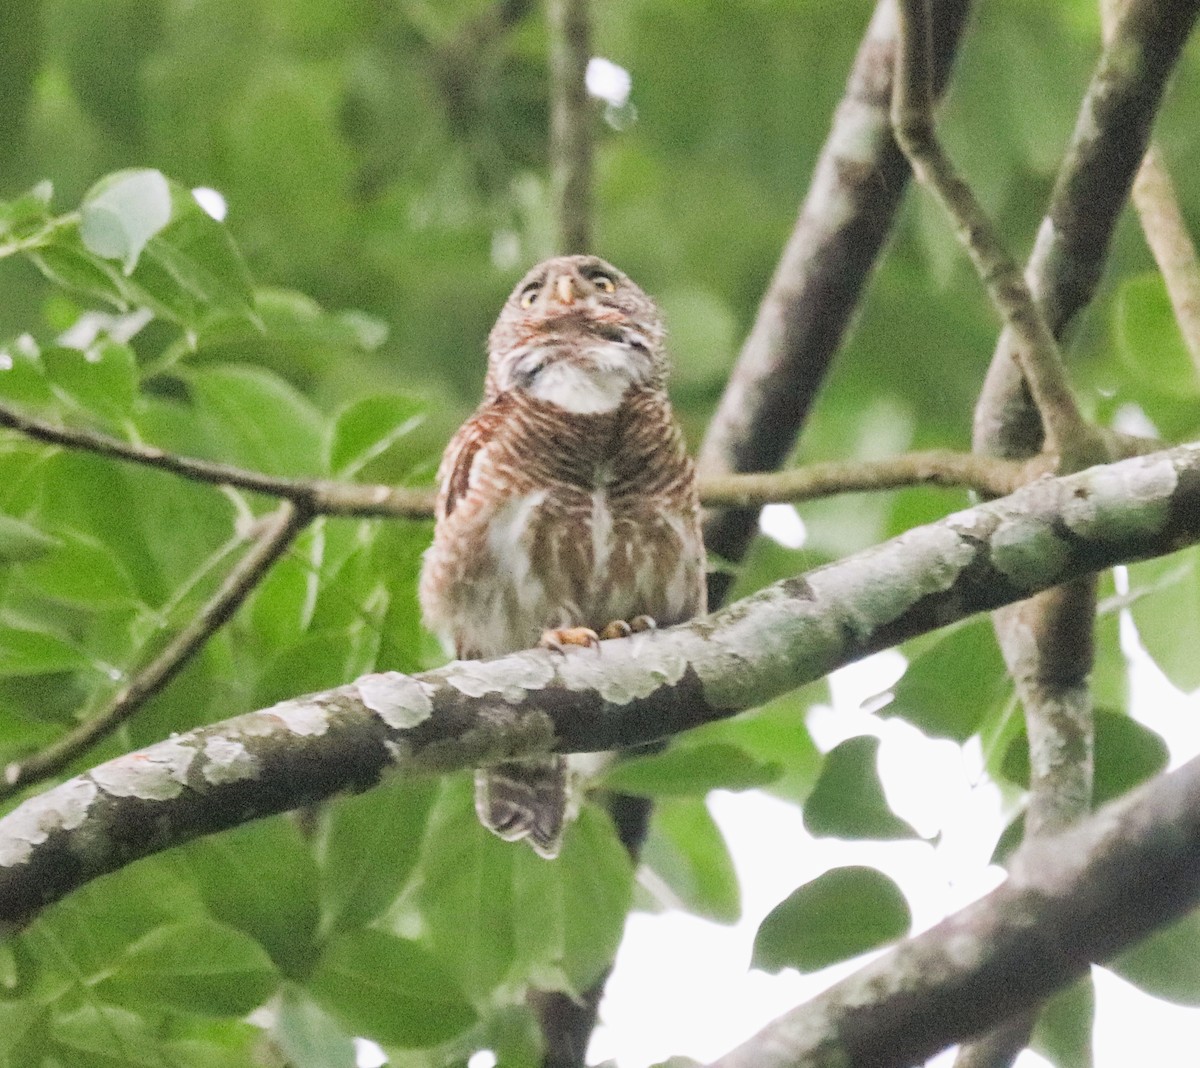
(1066, 431)
(277, 532)
(846, 217)
(1110, 138)
(1163, 224)
(1076, 898)
(630, 692)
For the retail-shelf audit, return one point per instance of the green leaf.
(368, 428)
(199, 966)
(1165, 963)
(848, 801)
(74, 268)
(1063, 1034)
(776, 733)
(1148, 336)
(294, 317)
(845, 912)
(30, 207)
(95, 1036)
(389, 989)
(198, 254)
(687, 851)
(37, 652)
(948, 689)
(1167, 613)
(101, 379)
(309, 1036)
(691, 769)
(82, 570)
(258, 420)
(122, 212)
(496, 912)
(1126, 754)
(596, 887)
(239, 875)
(23, 541)
(371, 845)
(22, 377)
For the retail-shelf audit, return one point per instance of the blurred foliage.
(384, 171)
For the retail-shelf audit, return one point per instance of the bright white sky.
(683, 985)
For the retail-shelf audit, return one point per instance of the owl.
(567, 508)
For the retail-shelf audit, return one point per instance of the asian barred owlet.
(567, 502)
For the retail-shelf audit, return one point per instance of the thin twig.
(844, 222)
(993, 477)
(1111, 133)
(571, 119)
(314, 496)
(912, 117)
(278, 531)
(934, 468)
(1163, 223)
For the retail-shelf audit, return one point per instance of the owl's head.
(577, 332)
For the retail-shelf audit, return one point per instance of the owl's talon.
(558, 640)
(620, 628)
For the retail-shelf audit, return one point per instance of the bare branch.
(276, 533)
(571, 119)
(1066, 904)
(844, 221)
(630, 692)
(1163, 223)
(326, 497)
(1036, 349)
(313, 496)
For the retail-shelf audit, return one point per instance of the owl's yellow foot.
(620, 628)
(558, 640)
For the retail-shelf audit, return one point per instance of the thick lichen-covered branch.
(1078, 897)
(632, 691)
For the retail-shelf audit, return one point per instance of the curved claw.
(558, 640)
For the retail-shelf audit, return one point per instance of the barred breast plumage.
(566, 501)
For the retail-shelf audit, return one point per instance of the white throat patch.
(581, 390)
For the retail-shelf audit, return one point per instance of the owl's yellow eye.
(603, 282)
(529, 295)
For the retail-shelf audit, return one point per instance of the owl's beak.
(564, 290)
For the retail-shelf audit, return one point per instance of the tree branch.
(1163, 223)
(630, 692)
(571, 119)
(1077, 898)
(844, 221)
(1037, 352)
(1109, 141)
(994, 477)
(276, 533)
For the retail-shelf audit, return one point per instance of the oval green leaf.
(692, 769)
(199, 966)
(848, 800)
(845, 912)
(389, 989)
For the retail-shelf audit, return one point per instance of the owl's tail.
(525, 799)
